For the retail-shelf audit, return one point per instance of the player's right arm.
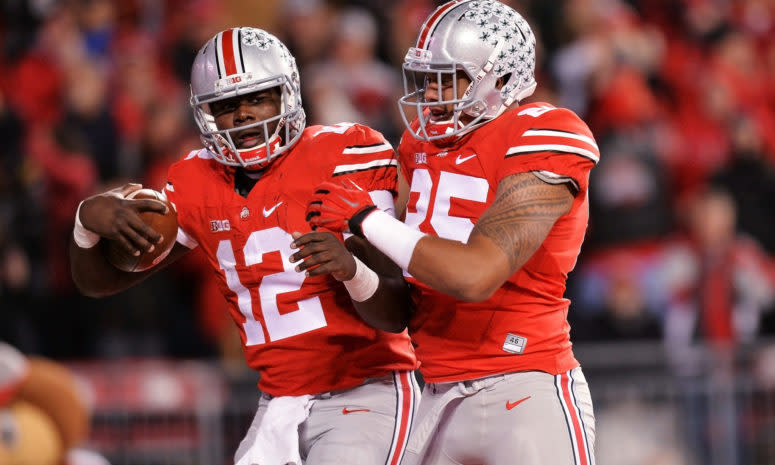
(542, 171)
(111, 216)
(506, 236)
(376, 285)
(379, 292)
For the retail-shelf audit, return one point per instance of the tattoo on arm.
(524, 211)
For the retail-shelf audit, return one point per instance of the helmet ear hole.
(464, 73)
(501, 81)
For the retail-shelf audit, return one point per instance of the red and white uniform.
(503, 385)
(523, 325)
(300, 333)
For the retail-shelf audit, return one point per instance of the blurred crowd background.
(680, 95)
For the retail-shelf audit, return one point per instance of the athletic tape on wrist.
(364, 284)
(84, 238)
(392, 237)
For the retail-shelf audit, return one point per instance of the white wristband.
(364, 284)
(83, 237)
(391, 236)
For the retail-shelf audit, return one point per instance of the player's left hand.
(322, 253)
(338, 208)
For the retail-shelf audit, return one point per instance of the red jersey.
(302, 334)
(523, 326)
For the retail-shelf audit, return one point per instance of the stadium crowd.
(679, 94)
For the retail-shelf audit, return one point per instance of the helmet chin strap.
(486, 68)
(266, 148)
(444, 126)
(273, 140)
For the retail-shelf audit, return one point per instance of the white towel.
(277, 440)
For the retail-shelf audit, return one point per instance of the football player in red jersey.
(495, 221)
(335, 390)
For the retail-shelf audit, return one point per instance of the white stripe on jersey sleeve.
(564, 134)
(186, 240)
(364, 166)
(201, 153)
(364, 149)
(551, 177)
(553, 148)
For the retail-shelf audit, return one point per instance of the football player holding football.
(335, 390)
(495, 222)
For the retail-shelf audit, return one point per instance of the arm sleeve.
(175, 192)
(366, 160)
(557, 146)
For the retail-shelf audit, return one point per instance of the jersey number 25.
(450, 185)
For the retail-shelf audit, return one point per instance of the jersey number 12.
(308, 317)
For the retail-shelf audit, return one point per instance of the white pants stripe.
(576, 428)
(406, 405)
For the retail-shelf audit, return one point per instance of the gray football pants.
(525, 418)
(365, 425)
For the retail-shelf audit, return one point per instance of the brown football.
(166, 225)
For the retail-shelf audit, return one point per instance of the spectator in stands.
(750, 179)
(618, 296)
(308, 26)
(722, 282)
(16, 239)
(632, 202)
(726, 279)
(352, 84)
(88, 116)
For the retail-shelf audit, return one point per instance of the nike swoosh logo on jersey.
(346, 411)
(511, 405)
(271, 210)
(461, 159)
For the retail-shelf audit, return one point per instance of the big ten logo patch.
(219, 225)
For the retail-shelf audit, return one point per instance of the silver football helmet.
(240, 61)
(484, 39)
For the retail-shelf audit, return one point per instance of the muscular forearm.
(94, 276)
(388, 309)
(112, 216)
(470, 272)
(504, 238)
